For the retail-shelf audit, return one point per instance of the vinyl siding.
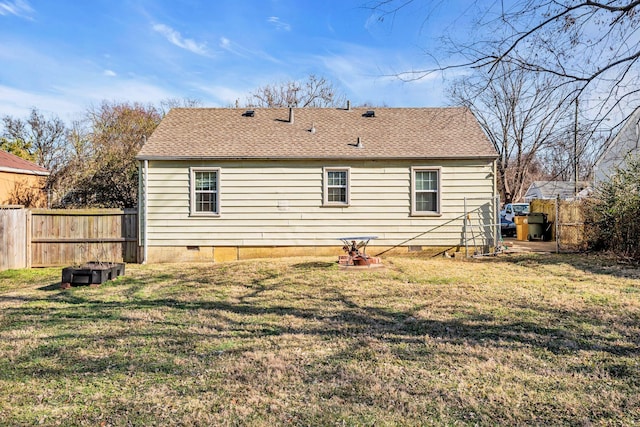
(626, 143)
(279, 203)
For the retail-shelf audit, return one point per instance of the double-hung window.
(205, 191)
(425, 183)
(336, 187)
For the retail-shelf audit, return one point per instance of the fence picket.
(13, 237)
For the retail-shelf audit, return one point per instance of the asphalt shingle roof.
(13, 163)
(318, 133)
(552, 189)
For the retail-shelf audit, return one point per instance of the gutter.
(199, 158)
(24, 171)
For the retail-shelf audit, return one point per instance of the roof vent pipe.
(348, 105)
(359, 143)
(291, 115)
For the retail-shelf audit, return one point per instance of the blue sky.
(63, 56)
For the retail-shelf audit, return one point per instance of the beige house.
(21, 182)
(225, 184)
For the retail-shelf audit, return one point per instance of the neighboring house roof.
(12, 163)
(616, 153)
(552, 189)
(318, 133)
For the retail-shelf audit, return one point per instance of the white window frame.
(438, 171)
(325, 185)
(192, 191)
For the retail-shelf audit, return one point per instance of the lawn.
(521, 340)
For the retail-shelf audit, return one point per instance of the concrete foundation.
(168, 254)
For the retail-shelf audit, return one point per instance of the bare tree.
(590, 47)
(103, 171)
(76, 168)
(559, 159)
(169, 103)
(520, 117)
(118, 130)
(314, 92)
(39, 139)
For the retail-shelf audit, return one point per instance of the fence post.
(28, 238)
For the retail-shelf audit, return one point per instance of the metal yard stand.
(481, 226)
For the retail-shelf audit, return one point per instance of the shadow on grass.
(51, 287)
(605, 265)
(159, 330)
(314, 265)
(254, 321)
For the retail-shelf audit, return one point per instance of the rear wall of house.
(275, 208)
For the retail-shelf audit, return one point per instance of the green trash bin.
(537, 225)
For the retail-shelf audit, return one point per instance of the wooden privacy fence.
(59, 237)
(13, 237)
(568, 221)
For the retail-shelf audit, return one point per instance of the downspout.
(497, 233)
(145, 241)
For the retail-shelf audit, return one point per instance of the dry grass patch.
(512, 341)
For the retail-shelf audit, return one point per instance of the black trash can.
(537, 226)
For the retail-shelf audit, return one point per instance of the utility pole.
(575, 153)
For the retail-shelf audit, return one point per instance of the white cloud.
(176, 38)
(66, 85)
(231, 47)
(18, 103)
(69, 102)
(224, 95)
(372, 21)
(225, 43)
(236, 49)
(360, 72)
(18, 8)
(276, 22)
(130, 90)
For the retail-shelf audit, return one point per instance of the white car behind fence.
(512, 210)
